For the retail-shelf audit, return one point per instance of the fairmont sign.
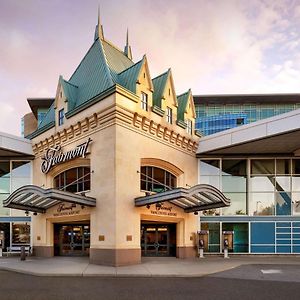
(55, 155)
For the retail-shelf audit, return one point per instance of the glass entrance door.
(74, 240)
(156, 240)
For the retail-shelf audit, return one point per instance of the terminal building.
(257, 166)
(215, 113)
(16, 157)
(114, 172)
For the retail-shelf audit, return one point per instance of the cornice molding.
(112, 115)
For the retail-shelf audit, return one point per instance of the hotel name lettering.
(55, 156)
(163, 211)
(66, 210)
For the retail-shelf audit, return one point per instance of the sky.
(212, 46)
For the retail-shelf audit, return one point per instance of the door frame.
(156, 244)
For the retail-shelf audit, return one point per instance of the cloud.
(212, 46)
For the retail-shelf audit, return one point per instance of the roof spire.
(127, 49)
(99, 28)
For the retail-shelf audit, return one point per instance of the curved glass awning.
(197, 198)
(36, 199)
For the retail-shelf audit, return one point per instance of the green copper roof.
(70, 91)
(182, 104)
(92, 76)
(159, 84)
(49, 117)
(129, 77)
(117, 61)
(103, 66)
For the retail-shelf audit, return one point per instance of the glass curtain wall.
(13, 174)
(4, 185)
(213, 118)
(256, 187)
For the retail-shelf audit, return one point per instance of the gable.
(144, 78)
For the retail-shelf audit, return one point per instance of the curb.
(116, 275)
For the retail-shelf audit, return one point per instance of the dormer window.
(144, 101)
(189, 126)
(61, 117)
(169, 115)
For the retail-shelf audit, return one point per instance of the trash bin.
(23, 253)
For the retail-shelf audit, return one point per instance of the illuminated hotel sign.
(55, 156)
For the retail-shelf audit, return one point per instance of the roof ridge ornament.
(127, 49)
(99, 28)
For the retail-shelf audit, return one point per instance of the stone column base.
(186, 252)
(43, 251)
(115, 257)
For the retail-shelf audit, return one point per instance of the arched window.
(74, 180)
(155, 179)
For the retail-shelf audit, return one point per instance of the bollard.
(0, 252)
(201, 250)
(23, 253)
(226, 253)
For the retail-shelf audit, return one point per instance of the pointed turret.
(127, 49)
(99, 28)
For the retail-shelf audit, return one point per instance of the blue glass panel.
(283, 203)
(296, 242)
(287, 230)
(283, 224)
(283, 249)
(263, 249)
(296, 224)
(296, 235)
(262, 233)
(296, 229)
(283, 242)
(296, 249)
(283, 236)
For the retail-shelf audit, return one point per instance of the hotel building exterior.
(114, 169)
(118, 171)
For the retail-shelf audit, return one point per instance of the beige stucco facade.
(124, 138)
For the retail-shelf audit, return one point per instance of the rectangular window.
(189, 126)
(169, 115)
(20, 234)
(144, 101)
(61, 116)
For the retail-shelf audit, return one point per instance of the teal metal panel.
(283, 249)
(283, 230)
(182, 103)
(296, 249)
(92, 76)
(283, 224)
(128, 78)
(262, 249)
(262, 233)
(159, 84)
(49, 117)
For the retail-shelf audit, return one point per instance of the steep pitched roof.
(92, 76)
(159, 84)
(49, 118)
(182, 104)
(117, 61)
(128, 78)
(70, 91)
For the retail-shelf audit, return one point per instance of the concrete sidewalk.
(155, 267)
